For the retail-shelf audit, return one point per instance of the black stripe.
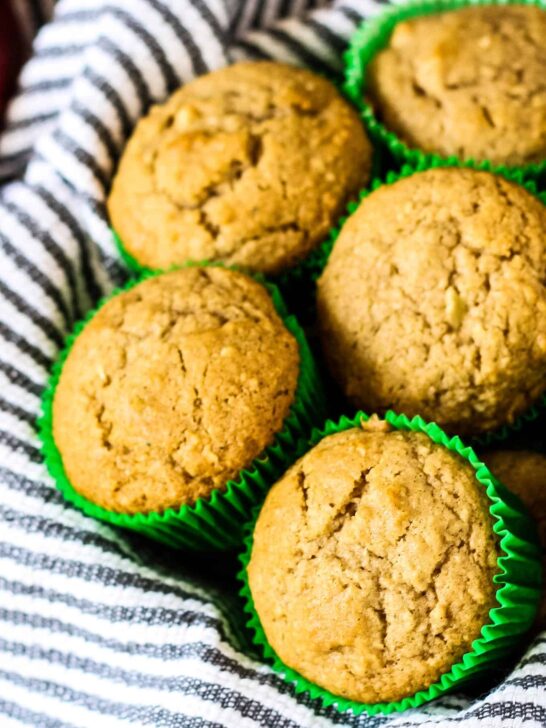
(140, 87)
(37, 355)
(285, 8)
(49, 84)
(536, 659)
(141, 714)
(164, 651)
(79, 16)
(59, 51)
(83, 157)
(19, 412)
(41, 322)
(186, 38)
(257, 19)
(16, 444)
(100, 83)
(252, 50)
(19, 379)
(102, 131)
(30, 717)
(298, 49)
(527, 682)
(33, 272)
(14, 159)
(109, 576)
(155, 49)
(68, 219)
(352, 14)
(53, 529)
(207, 691)
(32, 488)
(118, 614)
(337, 42)
(32, 120)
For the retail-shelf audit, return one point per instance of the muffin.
(372, 563)
(467, 82)
(433, 300)
(172, 388)
(249, 165)
(524, 473)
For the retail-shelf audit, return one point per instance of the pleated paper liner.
(518, 581)
(317, 261)
(215, 522)
(370, 38)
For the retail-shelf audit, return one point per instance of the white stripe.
(49, 69)
(34, 104)
(15, 357)
(310, 41)
(273, 48)
(339, 23)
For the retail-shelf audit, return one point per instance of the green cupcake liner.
(371, 37)
(215, 522)
(318, 260)
(518, 581)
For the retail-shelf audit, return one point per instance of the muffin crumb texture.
(249, 165)
(433, 301)
(468, 82)
(172, 389)
(372, 564)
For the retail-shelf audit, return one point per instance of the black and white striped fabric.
(99, 628)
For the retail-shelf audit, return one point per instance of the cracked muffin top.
(469, 82)
(433, 301)
(372, 564)
(172, 389)
(524, 473)
(249, 165)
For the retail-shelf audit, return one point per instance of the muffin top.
(172, 388)
(469, 82)
(433, 301)
(249, 165)
(372, 563)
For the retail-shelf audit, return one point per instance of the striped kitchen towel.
(98, 627)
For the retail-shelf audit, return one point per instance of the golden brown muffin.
(172, 389)
(433, 301)
(524, 473)
(469, 82)
(372, 564)
(249, 165)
